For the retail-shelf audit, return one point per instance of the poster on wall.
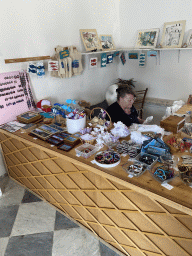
(15, 95)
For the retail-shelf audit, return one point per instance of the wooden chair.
(140, 100)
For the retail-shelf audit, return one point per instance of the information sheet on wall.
(15, 95)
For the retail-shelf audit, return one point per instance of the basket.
(88, 141)
(100, 120)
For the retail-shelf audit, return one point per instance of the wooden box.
(180, 135)
(173, 123)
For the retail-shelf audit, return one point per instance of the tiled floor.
(31, 227)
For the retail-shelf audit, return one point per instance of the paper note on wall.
(15, 95)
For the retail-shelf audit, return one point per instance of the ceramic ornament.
(93, 62)
(115, 54)
(53, 65)
(103, 60)
(122, 57)
(152, 53)
(32, 68)
(142, 60)
(133, 56)
(109, 58)
(40, 69)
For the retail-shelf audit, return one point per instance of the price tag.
(93, 162)
(130, 176)
(35, 138)
(167, 186)
(52, 145)
(123, 155)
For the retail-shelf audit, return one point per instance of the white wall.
(35, 28)
(170, 79)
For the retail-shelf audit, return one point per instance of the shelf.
(7, 61)
(99, 52)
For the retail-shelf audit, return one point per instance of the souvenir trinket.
(135, 169)
(107, 158)
(163, 173)
(86, 150)
(185, 174)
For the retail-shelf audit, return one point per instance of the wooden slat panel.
(130, 221)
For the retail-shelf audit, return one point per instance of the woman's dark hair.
(122, 90)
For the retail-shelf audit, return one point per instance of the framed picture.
(65, 147)
(29, 117)
(53, 141)
(147, 38)
(57, 127)
(56, 136)
(107, 42)
(189, 39)
(90, 39)
(173, 33)
(40, 133)
(72, 140)
(48, 129)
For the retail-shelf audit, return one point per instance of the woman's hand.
(141, 121)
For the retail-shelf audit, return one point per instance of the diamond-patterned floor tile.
(34, 218)
(106, 251)
(62, 222)
(12, 194)
(73, 242)
(3, 245)
(30, 198)
(30, 245)
(7, 218)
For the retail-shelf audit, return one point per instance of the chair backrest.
(140, 100)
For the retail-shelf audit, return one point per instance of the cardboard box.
(173, 123)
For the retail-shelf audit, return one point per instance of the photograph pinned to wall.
(173, 33)
(189, 39)
(90, 39)
(107, 42)
(147, 38)
(103, 60)
(93, 62)
(152, 53)
(133, 56)
(109, 58)
(142, 60)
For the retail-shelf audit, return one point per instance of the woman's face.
(127, 102)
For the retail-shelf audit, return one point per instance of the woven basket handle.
(92, 111)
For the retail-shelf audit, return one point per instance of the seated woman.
(123, 109)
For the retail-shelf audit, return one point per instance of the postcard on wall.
(173, 33)
(107, 42)
(90, 39)
(147, 38)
